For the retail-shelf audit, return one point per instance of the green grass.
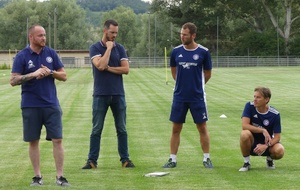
(149, 99)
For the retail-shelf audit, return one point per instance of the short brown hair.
(32, 27)
(110, 22)
(266, 92)
(191, 26)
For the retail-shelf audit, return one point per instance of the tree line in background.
(226, 27)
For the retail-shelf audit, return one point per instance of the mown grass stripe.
(148, 103)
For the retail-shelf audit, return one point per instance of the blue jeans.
(117, 105)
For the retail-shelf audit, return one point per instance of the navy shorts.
(180, 109)
(35, 118)
(255, 143)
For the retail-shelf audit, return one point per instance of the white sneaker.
(245, 167)
(37, 181)
(270, 164)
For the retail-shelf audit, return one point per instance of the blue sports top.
(107, 83)
(41, 92)
(190, 65)
(269, 120)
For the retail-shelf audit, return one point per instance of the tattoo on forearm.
(23, 79)
(19, 80)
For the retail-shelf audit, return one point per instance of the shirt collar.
(31, 51)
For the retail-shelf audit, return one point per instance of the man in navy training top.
(35, 68)
(261, 130)
(110, 62)
(191, 69)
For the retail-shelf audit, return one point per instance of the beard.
(187, 42)
(109, 39)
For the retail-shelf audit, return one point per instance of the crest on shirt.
(30, 64)
(49, 59)
(195, 56)
(266, 122)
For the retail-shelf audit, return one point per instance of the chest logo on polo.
(266, 122)
(49, 59)
(30, 64)
(195, 57)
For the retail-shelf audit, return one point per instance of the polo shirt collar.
(31, 51)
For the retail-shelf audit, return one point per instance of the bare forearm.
(60, 75)
(275, 140)
(17, 79)
(118, 70)
(101, 63)
(207, 75)
(253, 129)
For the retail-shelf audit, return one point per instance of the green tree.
(202, 13)
(128, 28)
(268, 15)
(288, 7)
(72, 30)
(137, 6)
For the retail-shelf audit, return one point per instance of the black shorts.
(35, 118)
(255, 143)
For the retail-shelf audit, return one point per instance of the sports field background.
(148, 104)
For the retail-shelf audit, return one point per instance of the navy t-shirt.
(190, 66)
(107, 83)
(41, 92)
(269, 120)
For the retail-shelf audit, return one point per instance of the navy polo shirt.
(37, 92)
(269, 120)
(190, 66)
(107, 83)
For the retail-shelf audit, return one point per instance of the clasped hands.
(42, 72)
(261, 148)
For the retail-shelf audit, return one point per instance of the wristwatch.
(51, 72)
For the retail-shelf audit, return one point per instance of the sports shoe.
(207, 163)
(128, 164)
(270, 164)
(62, 181)
(37, 181)
(89, 165)
(170, 164)
(245, 167)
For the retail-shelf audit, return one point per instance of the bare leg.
(58, 154)
(277, 151)
(204, 137)
(246, 141)
(175, 138)
(34, 155)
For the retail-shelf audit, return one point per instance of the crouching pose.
(261, 130)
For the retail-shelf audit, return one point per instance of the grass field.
(149, 100)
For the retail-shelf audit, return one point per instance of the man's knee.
(245, 135)
(277, 151)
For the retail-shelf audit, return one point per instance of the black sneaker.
(207, 163)
(170, 164)
(128, 164)
(270, 164)
(37, 181)
(62, 181)
(245, 167)
(89, 165)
